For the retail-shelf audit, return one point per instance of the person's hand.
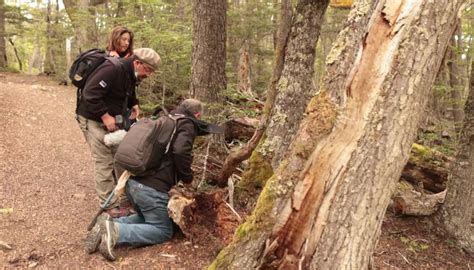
(109, 122)
(135, 112)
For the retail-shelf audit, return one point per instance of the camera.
(122, 122)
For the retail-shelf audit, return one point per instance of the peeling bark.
(324, 206)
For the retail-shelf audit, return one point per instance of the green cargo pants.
(102, 155)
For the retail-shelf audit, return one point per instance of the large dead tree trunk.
(325, 204)
(458, 209)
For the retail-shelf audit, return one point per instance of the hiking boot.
(93, 236)
(109, 236)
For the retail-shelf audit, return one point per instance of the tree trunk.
(243, 75)
(35, 59)
(208, 79)
(83, 19)
(457, 211)
(20, 65)
(121, 10)
(325, 204)
(436, 105)
(455, 81)
(288, 91)
(245, 152)
(50, 56)
(3, 49)
(295, 86)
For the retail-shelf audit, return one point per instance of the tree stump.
(202, 215)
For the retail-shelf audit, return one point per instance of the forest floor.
(46, 181)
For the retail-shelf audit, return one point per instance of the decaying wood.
(240, 128)
(429, 167)
(433, 180)
(415, 203)
(201, 215)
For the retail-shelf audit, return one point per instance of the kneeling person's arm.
(182, 150)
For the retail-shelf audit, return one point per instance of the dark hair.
(114, 39)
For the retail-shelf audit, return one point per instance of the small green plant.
(415, 245)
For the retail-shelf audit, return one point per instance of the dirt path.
(46, 177)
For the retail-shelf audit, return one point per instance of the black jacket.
(106, 90)
(176, 165)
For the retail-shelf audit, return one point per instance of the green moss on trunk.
(257, 174)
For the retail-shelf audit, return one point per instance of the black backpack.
(146, 143)
(85, 64)
(83, 67)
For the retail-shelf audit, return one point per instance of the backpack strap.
(175, 119)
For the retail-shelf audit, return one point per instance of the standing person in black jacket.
(109, 92)
(151, 224)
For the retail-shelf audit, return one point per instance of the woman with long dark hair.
(120, 42)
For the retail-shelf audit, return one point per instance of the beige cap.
(148, 56)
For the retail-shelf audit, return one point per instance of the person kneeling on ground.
(149, 194)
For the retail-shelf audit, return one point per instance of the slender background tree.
(3, 52)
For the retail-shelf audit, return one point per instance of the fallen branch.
(418, 204)
(237, 156)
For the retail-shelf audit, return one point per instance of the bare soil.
(47, 180)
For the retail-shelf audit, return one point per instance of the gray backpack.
(146, 143)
